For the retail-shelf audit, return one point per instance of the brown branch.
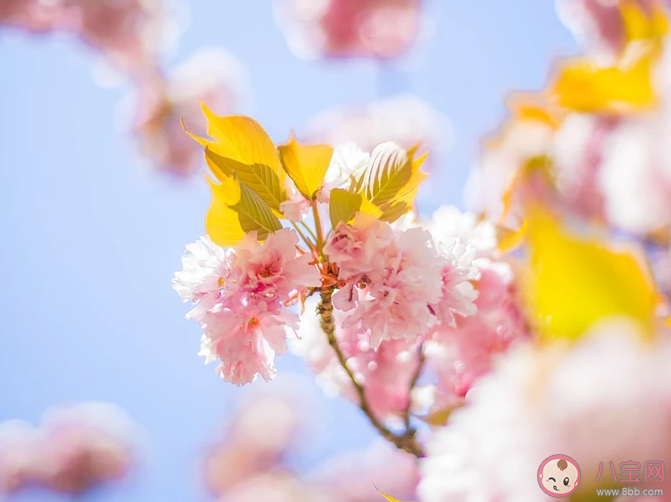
(405, 441)
(413, 383)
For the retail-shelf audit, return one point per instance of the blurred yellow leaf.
(642, 25)
(305, 165)
(573, 282)
(439, 417)
(583, 86)
(235, 210)
(510, 239)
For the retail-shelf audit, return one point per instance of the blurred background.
(95, 209)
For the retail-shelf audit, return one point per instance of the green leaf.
(305, 165)
(343, 206)
(235, 210)
(255, 214)
(390, 170)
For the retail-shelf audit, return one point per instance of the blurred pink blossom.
(605, 398)
(76, 449)
(599, 23)
(405, 119)
(211, 76)
(352, 476)
(33, 15)
(256, 442)
(130, 34)
(349, 28)
(21, 462)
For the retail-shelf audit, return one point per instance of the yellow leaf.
(242, 146)
(368, 208)
(440, 416)
(222, 223)
(343, 206)
(583, 86)
(573, 281)
(305, 165)
(235, 210)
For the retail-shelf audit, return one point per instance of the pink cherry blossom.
(205, 270)
(246, 337)
(464, 351)
(239, 296)
(357, 248)
(457, 294)
(271, 270)
(159, 105)
(395, 300)
(395, 281)
(385, 373)
(349, 28)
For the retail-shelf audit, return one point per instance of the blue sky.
(89, 241)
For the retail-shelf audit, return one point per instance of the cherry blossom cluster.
(349, 28)
(400, 315)
(75, 449)
(239, 298)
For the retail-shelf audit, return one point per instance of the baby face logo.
(559, 476)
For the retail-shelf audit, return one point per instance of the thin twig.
(405, 441)
(305, 239)
(310, 231)
(318, 227)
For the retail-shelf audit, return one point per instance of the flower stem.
(318, 227)
(308, 229)
(305, 239)
(405, 441)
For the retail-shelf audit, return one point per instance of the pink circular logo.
(559, 476)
